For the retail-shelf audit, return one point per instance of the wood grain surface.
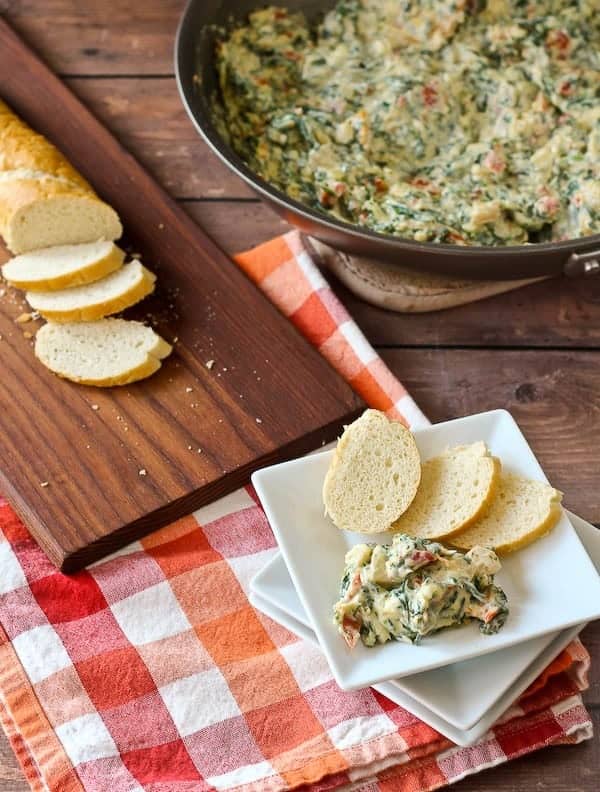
(120, 462)
(463, 360)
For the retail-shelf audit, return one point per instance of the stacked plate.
(458, 681)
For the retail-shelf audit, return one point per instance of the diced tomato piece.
(380, 185)
(422, 557)
(490, 614)
(565, 88)
(558, 42)
(326, 199)
(430, 95)
(494, 161)
(351, 629)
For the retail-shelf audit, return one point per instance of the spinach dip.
(415, 587)
(471, 122)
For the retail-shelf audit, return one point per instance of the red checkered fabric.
(151, 672)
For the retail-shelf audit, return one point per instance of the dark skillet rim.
(207, 130)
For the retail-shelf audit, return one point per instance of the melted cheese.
(425, 120)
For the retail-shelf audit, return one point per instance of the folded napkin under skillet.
(151, 670)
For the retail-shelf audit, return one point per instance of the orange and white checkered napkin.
(151, 672)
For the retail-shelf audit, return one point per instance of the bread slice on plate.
(522, 511)
(64, 266)
(103, 353)
(43, 212)
(373, 476)
(456, 489)
(119, 290)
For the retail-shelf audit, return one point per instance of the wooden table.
(534, 351)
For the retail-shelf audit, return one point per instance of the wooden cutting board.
(88, 469)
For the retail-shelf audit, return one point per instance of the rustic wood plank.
(236, 226)
(554, 396)
(559, 312)
(98, 37)
(148, 118)
(251, 409)
(591, 640)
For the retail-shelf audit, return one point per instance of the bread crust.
(428, 515)
(21, 147)
(99, 310)
(147, 366)
(503, 543)
(17, 196)
(89, 273)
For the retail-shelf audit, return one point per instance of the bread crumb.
(224, 368)
(258, 420)
(189, 448)
(209, 364)
(175, 340)
(199, 450)
(142, 472)
(95, 407)
(44, 483)
(24, 317)
(161, 226)
(188, 389)
(35, 315)
(27, 334)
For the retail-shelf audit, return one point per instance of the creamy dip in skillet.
(474, 123)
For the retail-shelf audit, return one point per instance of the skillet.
(194, 48)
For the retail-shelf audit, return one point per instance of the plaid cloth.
(151, 672)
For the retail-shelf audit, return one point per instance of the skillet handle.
(583, 264)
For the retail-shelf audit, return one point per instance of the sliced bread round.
(456, 489)
(373, 476)
(63, 266)
(41, 213)
(103, 353)
(522, 511)
(119, 290)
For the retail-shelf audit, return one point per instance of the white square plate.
(551, 585)
(272, 591)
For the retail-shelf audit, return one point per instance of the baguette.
(44, 212)
(22, 148)
(456, 489)
(522, 511)
(373, 476)
(104, 353)
(64, 266)
(44, 201)
(118, 291)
